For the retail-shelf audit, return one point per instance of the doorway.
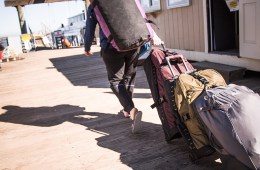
(223, 28)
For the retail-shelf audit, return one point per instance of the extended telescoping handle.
(163, 46)
(184, 63)
(170, 67)
(169, 63)
(168, 60)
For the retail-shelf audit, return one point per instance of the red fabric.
(1, 55)
(158, 58)
(163, 73)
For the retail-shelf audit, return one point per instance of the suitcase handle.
(184, 63)
(169, 65)
(162, 44)
(167, 58)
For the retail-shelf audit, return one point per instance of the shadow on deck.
(137, 151)
(90, 71)
(145, 150)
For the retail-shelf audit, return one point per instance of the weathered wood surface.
(181, 28)
(57, 112)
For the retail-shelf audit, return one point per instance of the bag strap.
(224, 107)
(158, 102)
(93, 4)
(109, 39)
(200, 78)
(151, 22)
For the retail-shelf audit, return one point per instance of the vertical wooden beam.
(21, 19)
(205, 21)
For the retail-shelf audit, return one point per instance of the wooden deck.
(57, 112)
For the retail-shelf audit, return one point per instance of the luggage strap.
(224, 107)
(200, 78)
(158, 102)
(186, 116)
(151, 22)
(186, 134)
(93, 4)
(109, 39)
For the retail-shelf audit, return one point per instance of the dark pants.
(121, 71)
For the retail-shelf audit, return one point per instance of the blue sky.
(38, 16)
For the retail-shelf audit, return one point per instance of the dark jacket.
(1, 47)
(91, 23)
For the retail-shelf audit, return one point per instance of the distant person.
(1, 47)
(66, 43)
(1, 54)
(120, 66)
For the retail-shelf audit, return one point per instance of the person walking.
(121, 68)
(1, 54)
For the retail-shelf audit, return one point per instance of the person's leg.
(121, 70)
(115, 65)
(131, 59)
(130, 71)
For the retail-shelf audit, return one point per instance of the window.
(151, 5)
(4, 41)
(177, 3)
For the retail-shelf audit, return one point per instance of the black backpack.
(123, 22)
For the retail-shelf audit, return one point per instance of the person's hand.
(156, 40)
(88, 53)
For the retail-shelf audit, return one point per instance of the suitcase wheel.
(193, 157)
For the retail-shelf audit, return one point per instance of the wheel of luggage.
(193, 157)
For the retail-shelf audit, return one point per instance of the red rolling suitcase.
(162, 68)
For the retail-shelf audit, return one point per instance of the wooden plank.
(167, 28)
(12, 3)
(185, 29)
(191, 29)
(176, 29)
(180, 28)
(163, 15)
(171, 29)
(201, 26)
(195, 10)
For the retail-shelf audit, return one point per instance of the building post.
(21, 19)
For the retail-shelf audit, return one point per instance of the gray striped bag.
(232, 117)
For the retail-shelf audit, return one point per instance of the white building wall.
(15, 44)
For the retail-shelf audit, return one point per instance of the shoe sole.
(136, 126)
(122, 112)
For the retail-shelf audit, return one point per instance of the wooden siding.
(181, 28)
